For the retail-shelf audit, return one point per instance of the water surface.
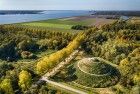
(50, 14)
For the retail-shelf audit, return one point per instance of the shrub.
(80, 27)
(27, 55)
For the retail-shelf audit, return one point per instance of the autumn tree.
(136, 78)
(6, 86)
(49, 62)
(25, 80)
(130, 68)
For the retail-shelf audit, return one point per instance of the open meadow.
(67, 23)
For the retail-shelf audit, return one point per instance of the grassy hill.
(96, 74)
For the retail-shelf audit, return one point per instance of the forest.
(118, 43)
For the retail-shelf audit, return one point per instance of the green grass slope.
(92, 73)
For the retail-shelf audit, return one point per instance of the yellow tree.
(125, 66)
(41, 66)
(6, 86)
(49, 62)
(136, 78)
(24, 80)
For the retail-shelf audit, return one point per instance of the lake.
(44, 15)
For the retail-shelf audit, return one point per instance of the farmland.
(67, 23)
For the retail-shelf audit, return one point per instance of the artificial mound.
(95, 72)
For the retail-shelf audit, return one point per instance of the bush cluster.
(80, 27)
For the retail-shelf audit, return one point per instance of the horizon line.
(61, 10)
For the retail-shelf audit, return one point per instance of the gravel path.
(63, 86)
(57, 69)
(61, 64)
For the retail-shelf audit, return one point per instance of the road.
(62, 64)
(63, 86)
(58, 68)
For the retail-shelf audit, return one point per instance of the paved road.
(63, 86)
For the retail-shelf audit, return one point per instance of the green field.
(62, 24)
(70, 21)
(65, 24)
(51, 25)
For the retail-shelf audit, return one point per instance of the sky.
(69, 4)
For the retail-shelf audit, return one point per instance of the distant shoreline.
(14, 17)
(11, 17)
(94, 12)
(10, 12)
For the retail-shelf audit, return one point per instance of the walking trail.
(58, 68)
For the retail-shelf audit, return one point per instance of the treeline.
(119, 25)
(81, 27)
(18, 41)
(47, 63)
(119, 13)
